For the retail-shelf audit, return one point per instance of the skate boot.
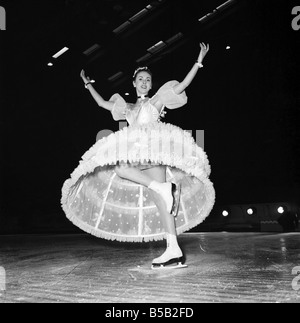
(172, 258)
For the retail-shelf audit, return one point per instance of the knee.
(121, 170)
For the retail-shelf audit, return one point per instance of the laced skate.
(172, 258)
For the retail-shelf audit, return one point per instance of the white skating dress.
(99, 202)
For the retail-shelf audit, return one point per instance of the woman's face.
(143, 83)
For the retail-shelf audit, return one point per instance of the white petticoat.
(99, 202)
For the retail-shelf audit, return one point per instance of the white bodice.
(143, 114)
(146, 112)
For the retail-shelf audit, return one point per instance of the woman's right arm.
(97, 97)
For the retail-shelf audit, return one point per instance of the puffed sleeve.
(169, 98)
(119, 108)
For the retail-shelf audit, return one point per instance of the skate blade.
(166, 267)
(176, 190)
(173, 263)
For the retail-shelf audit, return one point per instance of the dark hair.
(141, 69)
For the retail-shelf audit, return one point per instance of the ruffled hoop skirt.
(101, 203)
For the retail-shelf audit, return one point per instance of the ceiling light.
(139, 15)
(122, 27)
(143, 58)
(174, 38)
(115, 76)
(217, 10)
(62, 51)
(92, 49)
(157, 47)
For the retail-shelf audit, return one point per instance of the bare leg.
(159, 174)
(134, 174)
(173, 250)
(156, 175)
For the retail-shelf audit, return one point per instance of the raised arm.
(190, 76)
(97, 97)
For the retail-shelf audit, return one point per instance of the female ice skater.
(148, 181)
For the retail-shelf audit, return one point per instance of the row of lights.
(157, 46)
(65, 49)
(251, 211)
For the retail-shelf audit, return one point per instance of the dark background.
(246, 99)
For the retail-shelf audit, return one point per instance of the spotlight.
(225, 213)
(251, 210)
(127, 94)
(228, 47)
(50, 64)
(281, 210)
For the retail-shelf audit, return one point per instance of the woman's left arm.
(190, 76)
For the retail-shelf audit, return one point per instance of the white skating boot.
(171, 258)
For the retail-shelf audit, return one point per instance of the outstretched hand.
(203, 52)
(86, 79)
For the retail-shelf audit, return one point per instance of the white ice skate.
(170, 259)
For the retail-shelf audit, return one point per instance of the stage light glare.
(280, 210)
(228, 47)
(50, 64)
(250, 211)
(62, 51)
(225, 213)
(127, 94)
